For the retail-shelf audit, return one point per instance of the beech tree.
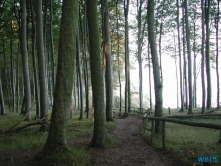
(2, 104)
(207, 55)
(41, 61)
(24, 52)
(99, 134)
(190, 88)
(109, 70)
(203, 57)
(156, 68)
(57, 136)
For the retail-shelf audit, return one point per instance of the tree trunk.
(2, 103)
(190, 86)
(184, 65)
(84, 34)
(180, 59)
(80, 77)
(150, 85)
(194, 63)
(203, 58)
(52, 47)
(208, 74)
(99, 134)
(156, 68)
(57, 136)
(118, 58)
(217, 58)
(139, 52)
(17, 82)
(24, 52)
(127, 68)
(41, 61)
(177, 82)
(13, 87)
(6, 74)
(109, 70)
(34, 63)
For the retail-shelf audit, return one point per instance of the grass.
(76, 157)
(187, 142)
(31, 137)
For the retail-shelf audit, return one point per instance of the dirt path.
(132, 149)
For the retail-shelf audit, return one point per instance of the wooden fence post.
(152, 131)
(144, 124)
(164, 134)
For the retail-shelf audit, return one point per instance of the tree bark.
(99, 135)
(190, 86)
(217, 58)
(57, 136)
(180, 59)
(208, 74)
(185, 86)
(118, 58)
(109, 70)
(203, 58)
(150, 84)
(41, 61)
(80, 77)
(127, 67)
(34, 63)
(24, 52)
(52, 47)
(2, 103)
(156, 68)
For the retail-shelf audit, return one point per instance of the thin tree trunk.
(156, 68)
(17, 81)
(6, 74)
(203, 58)
(34, 63)
(118, 58)
(194, 64)
(80, 77)
(12, 75)
(24, 52)
(175, 57)
(184, 65)
(139, 52)
(52, 47)
(190, 86)
(217, 58)
(41, 62)
(109, 70)
(2, 103)
(127, 68)
(208, 74)
(150, 85)
(180, 60)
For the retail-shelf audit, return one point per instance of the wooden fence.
(172, 119)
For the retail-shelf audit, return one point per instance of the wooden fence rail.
(178, 121)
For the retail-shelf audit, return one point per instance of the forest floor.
(132, 149)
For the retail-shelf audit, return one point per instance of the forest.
(93, 60)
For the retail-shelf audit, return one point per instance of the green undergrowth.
(71, 157)
(32, 138)
(188, 143)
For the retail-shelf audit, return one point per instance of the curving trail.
(132, 149)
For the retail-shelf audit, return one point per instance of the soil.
(132, 149)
